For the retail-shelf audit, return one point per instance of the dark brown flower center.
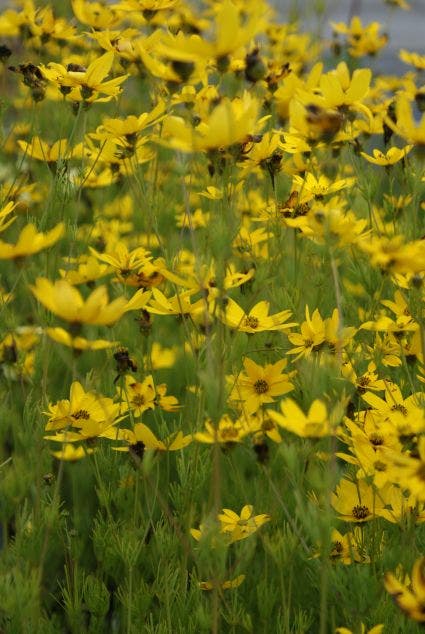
(261, 386)
(360, 512)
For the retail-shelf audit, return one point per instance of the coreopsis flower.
(96, 14)
(347, 548)
(312, 335)
(310, 187)
(257, 320)
(71, 453)
(225, 432)
(410, 598)
(46, 152)
(412, 58)
(141, 437)
(405, 125)
(30, 241)
(405, 414)
(231, 122)
(259, 384)
(361, 39)
(315, 425)
(89, 270)
(222, 585)
(394, 254)
(66, 301)
(5, 215)
(339, 89)
(179, 305)
(238, 527)
(80, 84)
(409, 471)
(132, 267)
(376, 629)
(82, 408)
(367, 381)
(356, 501)
(78, 343)
(142, 396)
(391, 157)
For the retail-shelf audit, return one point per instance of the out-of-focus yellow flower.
(64, 300)
(392, 156)
(30, 242)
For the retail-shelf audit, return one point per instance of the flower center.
(251, 322)
(138, 400)
(360, 512)
(399, 408)
(81, 413)
(261, 386)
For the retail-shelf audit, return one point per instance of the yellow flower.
(5, 220)
(231, 122)
(225, 585)
(392, 156)
(177, 305)
(71, 453)
(65, 301)
(259, 385)
(376, 629)
(356, 501)
(410, 599)
(78, 83)
(42, 151)
(311, 187)
(257, 320)
(226, 432)
(241, 526)
(312, 335)
(30, 242)
(141, 438)
(315, 425)
(406, 125)
(414, 59)
(78, 343)
(82, 408)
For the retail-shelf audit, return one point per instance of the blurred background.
(406, 29)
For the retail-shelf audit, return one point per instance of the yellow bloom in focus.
(82, 408)
(409, 598)
(30, 242)
(259, 385)
(315, 425)
(356, 501)
(392, 156)
(257, 320)
(241, 526)
(78, 83)
(65, 301)
(310, 187)
(311, 337)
